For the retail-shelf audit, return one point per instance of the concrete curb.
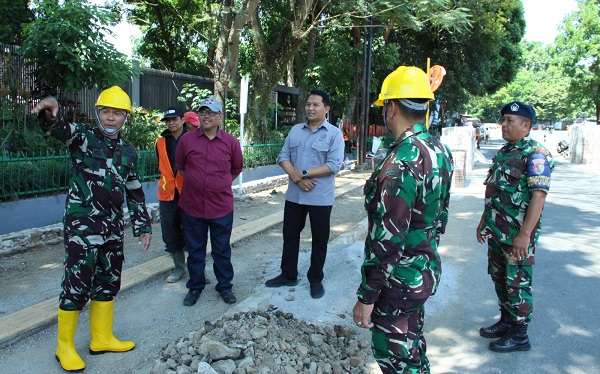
(18, 325)
(29, 239)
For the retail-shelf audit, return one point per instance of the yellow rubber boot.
(65, 350)
(101, 322)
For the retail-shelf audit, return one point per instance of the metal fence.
(26, 176)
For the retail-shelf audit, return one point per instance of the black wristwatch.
(304, 173)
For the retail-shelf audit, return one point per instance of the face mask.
(385, 115)
(110, 132)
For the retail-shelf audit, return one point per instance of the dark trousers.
(294, 220)
(171, 224)
(196, 237)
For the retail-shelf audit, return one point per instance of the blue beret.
(520, 109)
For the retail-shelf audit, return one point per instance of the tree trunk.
(226, 54)
(272, 62)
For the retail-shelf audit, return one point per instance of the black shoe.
(497, 330)
(228, 297)
(280, 281)
(514, 340)
(316, 290)
(192, 297)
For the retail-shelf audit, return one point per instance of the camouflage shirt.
(517, 170)
(103, 173)
(406, 200)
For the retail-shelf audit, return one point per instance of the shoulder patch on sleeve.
(392, 172)
(391, 186)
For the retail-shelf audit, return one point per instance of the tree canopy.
(16, 13)
(319, 44)
(66, 44)
(579, 48)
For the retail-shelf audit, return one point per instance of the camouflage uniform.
(517, 170)
(406, 200)
(104, 172)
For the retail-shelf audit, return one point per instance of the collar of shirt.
(108, 141)
(318, 127)
(219, 135)
(521, 144)
(415, 129)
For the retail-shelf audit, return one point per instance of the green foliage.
(16, 13)
(193, 95)
(35, 175)
(539, 83)
(176, 33)
(579, 48)
(19, 131)
(67, 46)
(478, 61)
(261, 154)
(143, 128)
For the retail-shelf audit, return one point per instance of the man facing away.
(209, 159)
(406, 200)
(312, 154)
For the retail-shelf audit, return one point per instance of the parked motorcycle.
(563, 148)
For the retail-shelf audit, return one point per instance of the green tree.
(67, 46)
(579, 47)
(177, 34)
(16, 13)
(479, 61)
(300, 31)
(539, 82)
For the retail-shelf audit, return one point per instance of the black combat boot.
(498, 329)
(515, 340)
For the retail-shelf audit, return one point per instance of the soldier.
(516, 188)
(104, 173)
(406, 200)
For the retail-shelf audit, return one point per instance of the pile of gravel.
(269, 341)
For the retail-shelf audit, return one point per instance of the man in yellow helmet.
(406, 200)
(104, 175)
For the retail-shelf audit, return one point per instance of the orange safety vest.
(168, 182)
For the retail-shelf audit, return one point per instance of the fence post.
(135, 85)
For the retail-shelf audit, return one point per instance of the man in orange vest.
(169, 190)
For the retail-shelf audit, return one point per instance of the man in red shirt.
(210, 159)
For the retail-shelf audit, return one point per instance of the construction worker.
(169, 191)
(406, 200)
(104, 176)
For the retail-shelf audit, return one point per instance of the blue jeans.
(196, 237)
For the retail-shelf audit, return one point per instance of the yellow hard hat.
(114, 97)
(406, 82)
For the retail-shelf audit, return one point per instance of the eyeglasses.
(207, 113)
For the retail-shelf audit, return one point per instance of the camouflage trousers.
(398, 343)
(512, 282)
(93, 266)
